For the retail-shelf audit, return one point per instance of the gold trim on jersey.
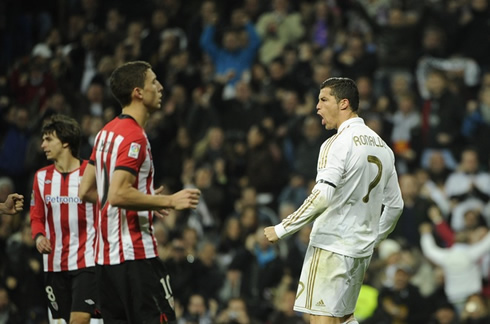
(297, 214)
(322, 159)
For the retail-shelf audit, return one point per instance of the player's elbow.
(83, 193)
(116, 200)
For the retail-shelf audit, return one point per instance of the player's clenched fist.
(270, 233)
(186, 198)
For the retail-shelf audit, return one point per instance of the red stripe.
(149, 185)
(65, 224)
(82, 235)
(49, 218)
(135, 230)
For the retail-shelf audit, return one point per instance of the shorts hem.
(320, 312)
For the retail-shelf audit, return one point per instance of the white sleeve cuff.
(280, 231)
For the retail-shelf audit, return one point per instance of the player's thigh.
(58, 293)
(113, 293)
(152, 291)
(329, 283)
(84, 291)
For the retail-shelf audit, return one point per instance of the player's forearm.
(312, 207)
(3, 208)
(388, 221)
(133, 199)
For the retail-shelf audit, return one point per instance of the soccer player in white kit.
(354, 205)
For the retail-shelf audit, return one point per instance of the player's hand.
(270, 233)
(161, 213)
(43, 245)
(14, 204)
(186, 198)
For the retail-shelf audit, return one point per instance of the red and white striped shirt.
(57, 213)
(123, 234)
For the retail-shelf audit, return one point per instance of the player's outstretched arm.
(123, 194)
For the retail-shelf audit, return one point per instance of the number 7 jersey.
(356, 177)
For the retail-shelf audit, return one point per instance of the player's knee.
(79, 318)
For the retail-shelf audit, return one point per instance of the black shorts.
(71, 291)
(136, 291)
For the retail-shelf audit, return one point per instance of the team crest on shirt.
(55, 305)
(33, 202)
(134, 150)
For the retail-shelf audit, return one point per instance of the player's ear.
(344, 104)
(138, 93)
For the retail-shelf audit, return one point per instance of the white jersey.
(356, 177)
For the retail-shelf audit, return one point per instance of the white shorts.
(329, 283)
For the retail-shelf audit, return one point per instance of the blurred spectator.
(406, 121)
(467, 183)
(233, 58)
(278, 27)
(239, 113)
(475, 310)
(208, 276)
(181, 270)
(355, 59)
(13, 147)
(197, 311)
(32, 84)
(8, 311)
(264, 162)
(476, 124)
(254, 271)
(153, 34)
(462, 273)
(444, 313)
(25, 280)
(400, 303)
(285, 313)
(305, 147)
(414, 213)
(236, 312)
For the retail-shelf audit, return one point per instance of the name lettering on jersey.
(368, 140)
(62, 199)
(134, 150)
(104, 146)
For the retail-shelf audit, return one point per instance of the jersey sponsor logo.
(134, 150)
(62, 199)
(48, 181)
(320, 303)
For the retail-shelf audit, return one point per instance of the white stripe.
(89, 243)
(100, 190)
(41, 176)
(74, 243)
(56, 212)
(144, 221)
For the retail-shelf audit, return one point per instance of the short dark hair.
(343, 88)
(67, 130)
(127, 77)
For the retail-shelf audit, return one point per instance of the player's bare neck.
(138, 112)
(67, 163)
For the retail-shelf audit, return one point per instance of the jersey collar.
(349, 122)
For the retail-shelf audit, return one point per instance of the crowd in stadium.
(238, 121)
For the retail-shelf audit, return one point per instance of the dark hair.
(127, 77)
(67, 130)
(343, 88)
